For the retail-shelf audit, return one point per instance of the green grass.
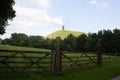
(63, 34)
(104, 72)
(7, 47)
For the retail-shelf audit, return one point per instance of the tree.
(91, 42)
(6, 41)
(107, 41)
(6, 13)
(19, 39)
(70, 43)
(81, 41)
(47, 43)
(116, 40)
(36, 41)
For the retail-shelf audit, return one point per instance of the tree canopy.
(6, 13)
(107, 40)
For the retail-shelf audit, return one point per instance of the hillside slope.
(63, 34)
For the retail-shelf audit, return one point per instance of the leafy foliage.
(35, 41)
(6, 13)
(19, 39)
(107, 40)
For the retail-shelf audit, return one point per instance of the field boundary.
(53, 62)
(22, 62)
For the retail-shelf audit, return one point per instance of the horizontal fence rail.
(20, 51)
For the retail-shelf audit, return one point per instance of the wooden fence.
(65, 61)
(24, 61)
(55, 61)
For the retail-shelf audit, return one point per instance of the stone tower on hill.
(63, 27)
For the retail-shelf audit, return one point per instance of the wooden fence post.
(99, 57)
(53, 61)
(56, 60)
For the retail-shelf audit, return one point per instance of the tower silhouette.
(63, 27)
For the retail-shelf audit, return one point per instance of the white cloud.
(31, 16)
(104, 5)
(93, 2)
(40, 3)
(33, 20)
(57, 20)
(34, 3)
(99, 3)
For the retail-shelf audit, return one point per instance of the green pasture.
(21, 48)
(104, 72)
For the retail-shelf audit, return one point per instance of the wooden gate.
(52, 62)
(63, 61)
(24, 61)
(77, 60)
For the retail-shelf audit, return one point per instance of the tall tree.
(107, 41)
(70, 43)
(81, 41)
(91, 44)
(6, 13)
(116, 40)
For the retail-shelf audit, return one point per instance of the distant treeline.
(107, 40)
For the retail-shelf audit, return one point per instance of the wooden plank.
(80, 57)
(23, 51)
(24, 67)
(76, 61)
(24, 62)
(34, 57)
(70, 52)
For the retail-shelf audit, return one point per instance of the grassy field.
(63, 34)
(21, 48)
(21, 59)
(104, 72)
(109, 69)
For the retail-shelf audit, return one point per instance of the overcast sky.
(41, 17)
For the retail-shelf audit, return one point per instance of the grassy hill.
(63, 34)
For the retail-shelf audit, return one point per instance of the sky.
(42, 17)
